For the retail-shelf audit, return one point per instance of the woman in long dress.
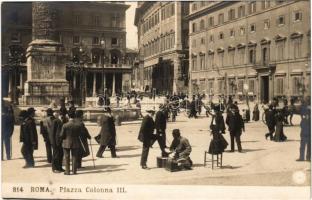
(279, 133)
(218, 144)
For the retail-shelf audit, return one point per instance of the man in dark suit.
(193, 108)
(270, 121)
(29, 137)
(70, 135)
(146, 136)
(46, 126)
(50, 128)
(305, 133)
(83, 139)
(160, 125)
(236, 125)
(8, 121)
(107, 134)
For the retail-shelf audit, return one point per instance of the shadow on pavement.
(42, 166)
(251, 141)
(99, 171)
(198, 165)
(251, 150)
(129, 156)
(292, 141)
(230, 167)
(127, 148)
(90, 167)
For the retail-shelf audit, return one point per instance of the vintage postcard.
(156, 99)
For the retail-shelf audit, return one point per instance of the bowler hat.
(50, 111)
(150, 111)
(31, 110)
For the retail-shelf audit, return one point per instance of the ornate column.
(21, 81)
(10, 90)
(94, 85)
(113, 86)
(74, 81)
(104, 82)
(46, 70)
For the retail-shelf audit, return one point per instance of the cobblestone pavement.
(262, 162)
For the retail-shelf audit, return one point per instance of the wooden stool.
(219, 161)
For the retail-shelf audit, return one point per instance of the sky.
(132, 37)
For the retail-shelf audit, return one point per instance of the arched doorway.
(115, 56)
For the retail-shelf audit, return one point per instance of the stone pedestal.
(46, 73)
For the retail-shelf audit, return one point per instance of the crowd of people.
(66, 137)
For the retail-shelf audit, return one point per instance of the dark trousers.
(57, 158)
(144, 155)
(49, 151)
(238, 142)
(6, 142)
(102, 149)
(271, 131)
(74, 154)
(27, 152)
(161, 139)
(305, 143)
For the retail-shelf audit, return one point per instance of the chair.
(219, 159)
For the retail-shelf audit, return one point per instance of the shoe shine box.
(161, 162)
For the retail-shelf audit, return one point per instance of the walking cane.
(92, 155)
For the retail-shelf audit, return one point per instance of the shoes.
(28, 166)
(240, 151)
(231, 151)
(66, 173)
(62, 170)
(99, 156)
(144, 167)
(56, 171)
(299, 159)
(115, 156)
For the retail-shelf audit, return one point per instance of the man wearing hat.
(107, 134)
(29, 137)
(70, 142)
(160, 125)
(50, 128)
(46, 131)
(146, 136)
(236, 125)
(182, 149)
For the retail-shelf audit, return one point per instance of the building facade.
(94, 38)
(163, 46)
(259, 49)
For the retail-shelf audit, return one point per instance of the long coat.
(218, 143)
(7, 123)
(70, 134)
(235, 122)
(270, 119)
(29, 135)
(84, 150)
(47, 129)
(108, 131)
(160, 121)
(146, 131)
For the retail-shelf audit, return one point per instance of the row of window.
(252, 28)
(159, 45)
(237, 57)
(297, 16)
(166, 12)
(237, 87)
(96, 40)
(95, 20)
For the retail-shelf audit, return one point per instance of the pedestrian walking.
(270, 121)
(63, 111)
(83, 139)
(29, 138)
(193, 108)
(256, 113)
(107, 134)
(70, 142)
(279, 135)
(146, 136)
(160, 126)
(236, 125)
(305, 134)
(46, 130)
(7, 127)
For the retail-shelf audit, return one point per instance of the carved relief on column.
(44, 21)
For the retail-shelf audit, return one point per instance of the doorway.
(264, 89)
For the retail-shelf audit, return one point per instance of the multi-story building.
(163, 45)
(93, 35)
(255, 48)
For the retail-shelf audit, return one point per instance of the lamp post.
(246, 88)
(15, 58)
(82, 74)
(103, 45)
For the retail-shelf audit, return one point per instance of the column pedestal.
(113, 86)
